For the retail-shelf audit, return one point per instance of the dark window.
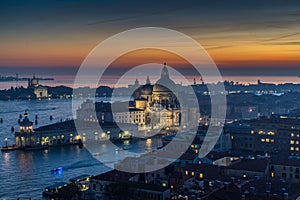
(283, 175)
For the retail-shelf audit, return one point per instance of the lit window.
(263, 140)
(297, 142)
(292, 142)
(252, 131)
(267, 140)
(271, 133)
(201, 175)
(292, 134)
(292, 148)
(193, 173)
(272, 175)
(186, 172)
(272, 140)
(297, 148)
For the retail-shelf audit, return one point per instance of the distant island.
(35, 90)
(17, 78)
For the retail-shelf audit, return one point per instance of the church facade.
(155, 106)
(39, 90)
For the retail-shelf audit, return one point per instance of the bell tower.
(164, 72)
(26, 124)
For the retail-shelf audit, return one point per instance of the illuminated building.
(158, 102)
(274, 135)
(50, 135)
(285, 168)
(39, 90)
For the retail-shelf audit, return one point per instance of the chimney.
(284, 194)
(252, 190)
(240, 189)
(226, 186)
(232, 180)
(268, 189)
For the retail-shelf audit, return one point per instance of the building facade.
(39, 90)
(51, 135)
(153, 106)
(273, 135)
(158, 102)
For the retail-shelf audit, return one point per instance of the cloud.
(281, 37)
(285, 43)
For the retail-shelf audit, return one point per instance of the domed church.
(39, 90)
(159, 101)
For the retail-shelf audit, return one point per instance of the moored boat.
(33, 148)
(9, 148)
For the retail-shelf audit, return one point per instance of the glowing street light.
(6, 140)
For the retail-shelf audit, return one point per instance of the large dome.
(159, 87)
(164, 84)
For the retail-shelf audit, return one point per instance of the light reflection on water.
(26, 174)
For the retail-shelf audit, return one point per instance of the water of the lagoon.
(24, 175)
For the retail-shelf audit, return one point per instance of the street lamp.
(6, 139)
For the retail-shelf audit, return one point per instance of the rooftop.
(285, 161)
(257, 165)
(70, 125)
(210, 172)
(114, 175)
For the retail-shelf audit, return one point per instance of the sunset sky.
(243, 37)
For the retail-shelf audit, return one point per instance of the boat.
(9, 148)
(80, 144)
(96, 154)
(52, 190)
(29, 148)
(167, 139)
(127, 147)
(58, 169)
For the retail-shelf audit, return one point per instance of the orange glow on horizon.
(149, 55)
(233, 52)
